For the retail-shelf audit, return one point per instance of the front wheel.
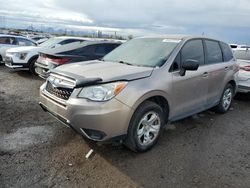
(145, 127)
(32, 66)
(226, 100)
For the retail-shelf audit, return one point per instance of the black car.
(71, 53)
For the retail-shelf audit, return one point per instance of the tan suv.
(136, 89)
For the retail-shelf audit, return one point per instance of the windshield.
(50, 42)
(150, 52)
(242, 54)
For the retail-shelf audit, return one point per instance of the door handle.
(226, 68)
(205, 74)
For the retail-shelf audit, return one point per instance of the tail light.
(246, 68)
(60, 61)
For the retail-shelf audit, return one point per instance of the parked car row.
(59, 50)
(128, 93)
(74, 52)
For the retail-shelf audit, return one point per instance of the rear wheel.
(226, 99)
(145, 127)
(32, 66)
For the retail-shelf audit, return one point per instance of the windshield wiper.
(123, 62)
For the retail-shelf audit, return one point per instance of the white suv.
(12, 41)
(24, 58)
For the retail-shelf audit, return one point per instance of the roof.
(8, 35)
(75, 45)
(17, 36)
(178, 37)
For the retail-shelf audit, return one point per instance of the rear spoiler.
(80, 81)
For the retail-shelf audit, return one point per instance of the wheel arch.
(233, 83)
(159, 97)
(32, 58)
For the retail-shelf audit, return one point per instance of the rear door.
(189, 91)
(217, 68)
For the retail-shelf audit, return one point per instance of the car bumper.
(14, 65)
(43, 70)
(244, 82)
(97, 121)
(244, 86)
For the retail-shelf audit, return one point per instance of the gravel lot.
(207, 150)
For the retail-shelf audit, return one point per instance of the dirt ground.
(207, 150)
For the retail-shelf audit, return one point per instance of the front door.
(190, 91)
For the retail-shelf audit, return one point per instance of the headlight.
(21, 56)
(102, 92)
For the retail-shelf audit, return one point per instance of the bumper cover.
(9, 63)
(106, 119)
(244, 87)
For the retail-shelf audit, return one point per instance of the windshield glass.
(50, 42)
(150, 52)
(242, 54)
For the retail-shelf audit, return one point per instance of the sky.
(227, 20)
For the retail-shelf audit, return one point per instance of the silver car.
(243, 59)
(140, 86)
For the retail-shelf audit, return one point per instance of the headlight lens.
(21, 56)
(102, 92)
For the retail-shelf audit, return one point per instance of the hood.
(104, 71)
(23, 49)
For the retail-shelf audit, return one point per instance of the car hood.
(23, 49)
(103, 71)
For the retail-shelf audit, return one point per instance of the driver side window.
(192, 50)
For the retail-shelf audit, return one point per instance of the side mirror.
(190, 65)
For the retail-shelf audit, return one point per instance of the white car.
(12, 41)
(239, 46)
(25, 57)
(243, 59)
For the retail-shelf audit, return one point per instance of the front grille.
(62, 93)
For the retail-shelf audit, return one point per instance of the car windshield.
(149, 52)
(242, 54)
(50, 42)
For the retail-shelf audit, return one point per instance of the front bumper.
(11, 64)
(97, 121)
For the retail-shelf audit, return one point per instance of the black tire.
(32, 66)
(132, 141)
(220, 108)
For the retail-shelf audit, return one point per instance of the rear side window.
(24, 42)
(67, 41)
(227, 52)
(103, 49)
(83, 51)
(214, 54)
(7, 40)
(193, 50)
